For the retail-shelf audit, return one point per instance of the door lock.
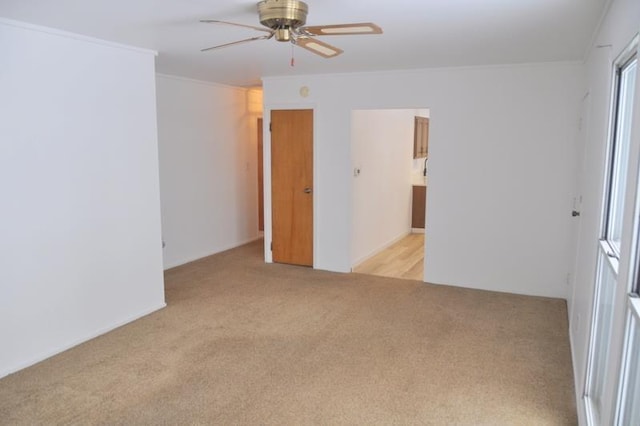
(307, 190)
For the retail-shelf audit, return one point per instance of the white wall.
(501, 159)
(81, 247)
(382, 149)
(208, 163)
(621, 23)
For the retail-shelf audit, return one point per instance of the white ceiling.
(417, 33)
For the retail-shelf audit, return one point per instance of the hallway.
(404, 259)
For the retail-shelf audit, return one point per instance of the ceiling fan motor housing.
(282, 15)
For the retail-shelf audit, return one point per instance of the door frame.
(266, 162)
(416, 111)
(260, 171)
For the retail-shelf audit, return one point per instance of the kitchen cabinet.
(421, 137)
(418, 206)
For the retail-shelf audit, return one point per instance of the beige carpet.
(242, 342)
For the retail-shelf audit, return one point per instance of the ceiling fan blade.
(247, 40)
(342, 29)
(318, 47)
(215, 21)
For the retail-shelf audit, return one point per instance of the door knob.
(307, 190)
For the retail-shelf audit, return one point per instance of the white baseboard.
(48, 354)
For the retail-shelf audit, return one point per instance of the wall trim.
(48, 354)
(423, 70)
(596, 31)
(74, 36)
(206, 83)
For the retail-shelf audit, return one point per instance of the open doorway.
(390, 176)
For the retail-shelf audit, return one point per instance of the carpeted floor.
(242, 342)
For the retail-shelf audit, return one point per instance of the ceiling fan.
(285, 21)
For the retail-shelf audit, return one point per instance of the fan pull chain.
(293, 60)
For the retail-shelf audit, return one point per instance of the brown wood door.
(292, 186)
(260, 180)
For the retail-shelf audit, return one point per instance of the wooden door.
(260, 179)
(292, 186)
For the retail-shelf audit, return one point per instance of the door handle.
(307, 190)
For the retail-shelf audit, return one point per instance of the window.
(599, 354)
(630, 397)
(620, 153)
(629, 392)
(609, 255)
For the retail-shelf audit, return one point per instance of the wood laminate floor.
(404, 259)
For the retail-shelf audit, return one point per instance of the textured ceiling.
(417, 34)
